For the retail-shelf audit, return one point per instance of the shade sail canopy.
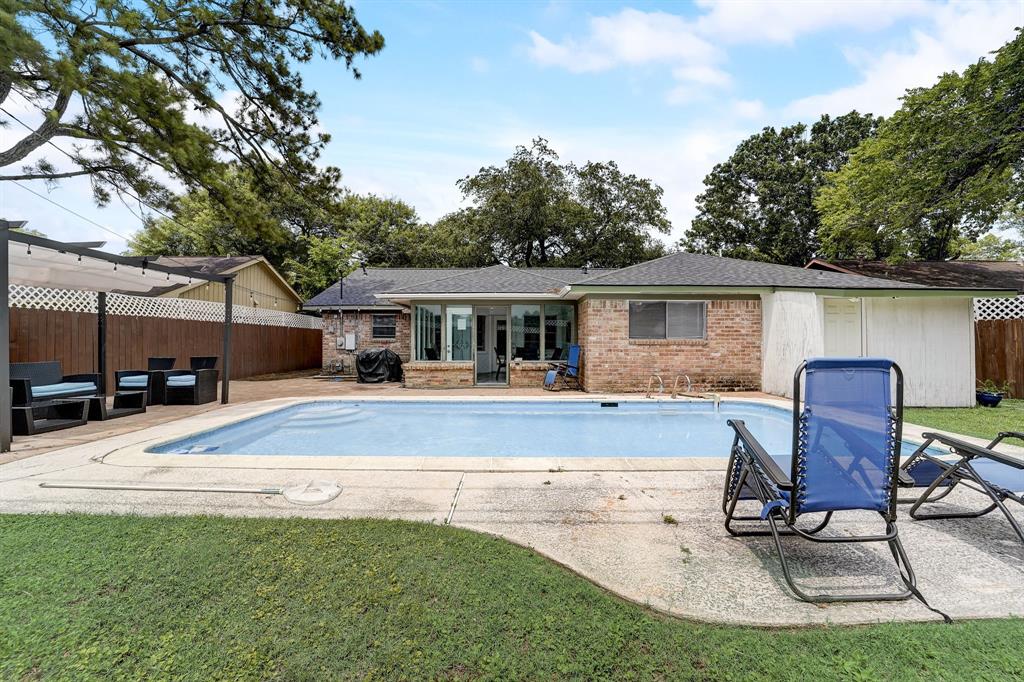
(40, 262)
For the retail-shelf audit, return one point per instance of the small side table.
(125, 403)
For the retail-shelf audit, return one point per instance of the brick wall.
(527, 374)
(439, 374)
(728, 359)
(361, 324)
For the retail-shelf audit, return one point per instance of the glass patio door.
(459, 333)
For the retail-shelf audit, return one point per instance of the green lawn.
(983, 422)
(94, 597)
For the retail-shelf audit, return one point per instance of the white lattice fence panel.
(43, 298)
(205, 311)
(999, 308)
(276, 318)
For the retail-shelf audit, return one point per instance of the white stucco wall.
(792, 331)
(932, 340)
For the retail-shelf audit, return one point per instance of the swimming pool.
(645, 429)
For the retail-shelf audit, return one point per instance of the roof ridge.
(629, 267)
(438, 279)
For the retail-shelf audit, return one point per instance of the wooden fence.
(999, 352)
(71, 337)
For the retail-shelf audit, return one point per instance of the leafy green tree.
(535, 211)
(119, 79)
(759, 204)
(324, 260)
(198, 225)
(992, 247)
(944, 169)
(385, 230)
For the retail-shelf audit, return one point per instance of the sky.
(666, 90)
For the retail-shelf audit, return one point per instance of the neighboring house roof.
(221, 265)
(698, 270)
(972, 274)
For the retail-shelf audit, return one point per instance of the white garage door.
(842, 328)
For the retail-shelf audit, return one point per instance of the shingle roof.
(495, 279)
(691, 269)
(359, 287)
(958, 273)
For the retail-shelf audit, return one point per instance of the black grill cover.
(377, 365)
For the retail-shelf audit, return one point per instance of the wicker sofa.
(36, 382)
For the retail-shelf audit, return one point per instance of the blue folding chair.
(564, 374)
(994, 474)
(845, 456)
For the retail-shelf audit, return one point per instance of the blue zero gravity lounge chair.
(564, 374)
(981, 469)
(845, 456)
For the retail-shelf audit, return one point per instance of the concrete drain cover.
(314, 492)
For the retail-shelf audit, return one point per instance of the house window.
(667, 319)
(526, 332)
(384, 326)
(558, 323)
(427, 322)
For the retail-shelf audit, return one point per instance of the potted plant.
(989, 393)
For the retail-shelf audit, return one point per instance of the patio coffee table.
(125, 403)
(54, 415)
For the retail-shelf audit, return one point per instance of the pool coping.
(134, 454)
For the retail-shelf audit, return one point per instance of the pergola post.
(229, 292)
(5, 341)
(101, 339)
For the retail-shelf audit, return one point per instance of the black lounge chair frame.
(204, 390)
(961, 473)
(752, 471)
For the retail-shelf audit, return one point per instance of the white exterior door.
(843, 328)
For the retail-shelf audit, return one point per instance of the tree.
(992, 247)
(386, 231)
(324, 261)
(759, 204)
(944, 169)
(120, 81)
(535, 211)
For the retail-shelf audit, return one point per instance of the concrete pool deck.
(608, 525)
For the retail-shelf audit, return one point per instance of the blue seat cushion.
(550, 377)
(134, 381)
(63, 388)
(1001, 475)
(184, 380)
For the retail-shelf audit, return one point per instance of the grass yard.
(102, 597)
(983, 422)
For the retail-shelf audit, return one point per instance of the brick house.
(724, 324)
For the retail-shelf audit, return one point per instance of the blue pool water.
(494, 429)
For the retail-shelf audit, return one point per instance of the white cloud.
(783, 21)
(959, 34)
(691, 47)
(629, 37)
